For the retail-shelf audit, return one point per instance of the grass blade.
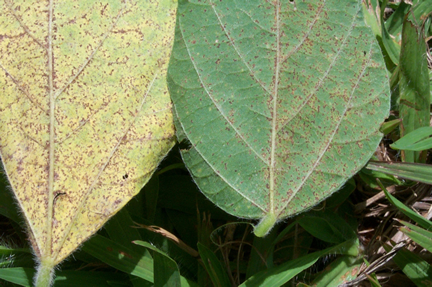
(412, 171)
(416, 140)
(166, 272)
(414, 86)
(414, 267)
(118, 256)
(423, 222)
(281, 274)
(419, 235)
(213, 266)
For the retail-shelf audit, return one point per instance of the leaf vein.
(96, 49)
(25, 28)
(217, 106)
(103, 167)
(29, 97)
(324, 150)
(253, 74)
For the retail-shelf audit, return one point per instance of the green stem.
(265, 225)
(45, 273)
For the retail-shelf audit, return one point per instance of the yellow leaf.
(85, 111)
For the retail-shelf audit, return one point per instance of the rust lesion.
(96, 49)
(24, 91)
(25, 28)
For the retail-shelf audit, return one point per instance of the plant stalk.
(45, 273)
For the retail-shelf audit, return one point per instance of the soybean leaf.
(85, 111)
(280, 101)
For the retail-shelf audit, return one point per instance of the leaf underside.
(86, 115)
(281, 101)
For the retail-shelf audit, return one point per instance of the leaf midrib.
(54, 95)
(190, 138)
(272, 178)
(48, 243)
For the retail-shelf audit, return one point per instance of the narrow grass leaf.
(412, 171)
(327, 226)
(18, 275)
(419, 235)
(417, 140)
(423, 222)
(371, 17)
(395, 21)
(120, 257)
(276, 122)
(389, 126)
(166, 271)
(7, 251)
(281, 274)
(373, 280)
(414, 267)
(342, 270)
(392, 48)
(214, 267)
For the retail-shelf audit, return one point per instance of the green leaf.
(395, 21)
(327, 226)
(423, 222)
(166, 272)
(392, 48)
(412, 171)
(342, 270)
(281, 102)
(370, 176)
(123, 258)
(18, 275)
(373, 280)
(414, 99)
(419, 235)
(86, 115)
(414, 267)
(371, 18)
(214, 267)
(389, 126)
(416, 140)
(23, 277)
(281, 274)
